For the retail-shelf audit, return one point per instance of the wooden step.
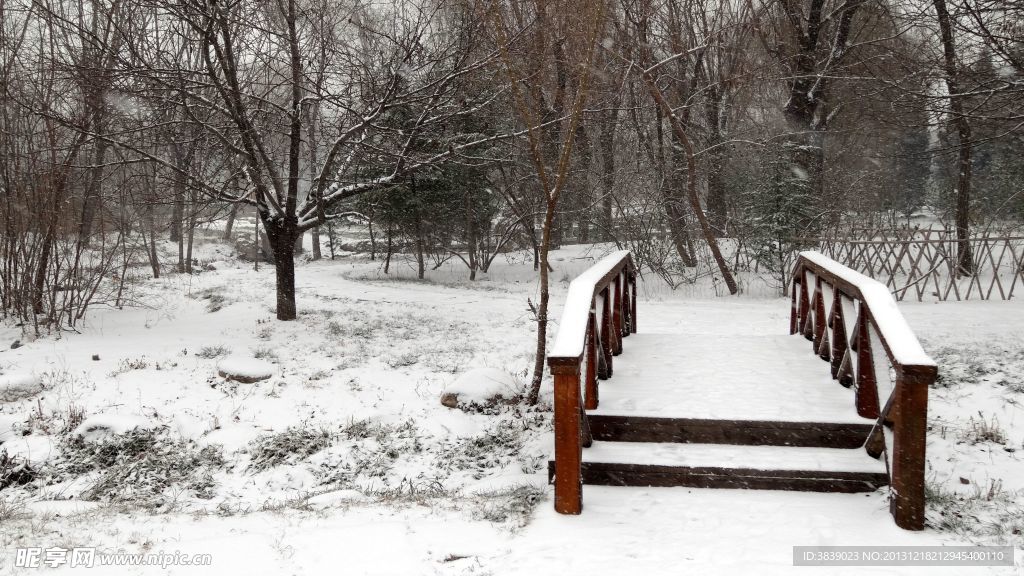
(618, 428)
(729, 466)
(612, 474)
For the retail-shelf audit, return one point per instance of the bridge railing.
(855, 324)
(600, 310)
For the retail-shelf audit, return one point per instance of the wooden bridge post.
(568, 449)
(908, 459)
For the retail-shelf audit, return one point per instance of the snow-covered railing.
(862, 320)
(600, 310)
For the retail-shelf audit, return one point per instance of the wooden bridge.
(754, 412)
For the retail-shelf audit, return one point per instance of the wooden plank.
(739, 432)
(616, 474)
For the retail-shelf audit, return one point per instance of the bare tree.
(571, 35)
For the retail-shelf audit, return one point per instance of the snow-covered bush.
(513, 506)
(290, 446)
(369, 454)
(210, 352)
(144, 466)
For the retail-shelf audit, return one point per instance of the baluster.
(805, 310)
(590, 385)
(616, 332)
(632, 304)
(794, 316)
(820, 321)
(867, 387)
(840, 348)
(606, 333)
(627, 312)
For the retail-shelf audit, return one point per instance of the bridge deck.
(724, 377)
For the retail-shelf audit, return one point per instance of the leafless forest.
(707, 137)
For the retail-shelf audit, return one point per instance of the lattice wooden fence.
(921, 263)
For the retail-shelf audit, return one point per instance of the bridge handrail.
(878, 324)
(600, 310)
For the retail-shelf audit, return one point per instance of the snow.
(901, 341)
(103, 425)
(245, 369)
(481, 386)
(729, 456)
(693, 371)
(32, 449)
(375, 349)
(17, 386)
(9, 427)
(572, 327)
(232, 437)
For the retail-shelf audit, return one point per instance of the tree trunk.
(231, 221)
(154, 258)
(181, 251)
(964, 256)
(542, 307)
(390, 247)
(315, 237)
(582, 197)
(717, 156)
(192, 215)
(675, 209)
(281, 236)
(717, 203)
(471, 239)
(41, 269)
(93, 199)
(691, 187)
(178, 208)
(373, 240)
(330, 238)
(421, 264)
(609, 121)
(178, 212)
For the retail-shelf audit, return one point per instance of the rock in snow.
(480, 387)
(98, 427)
(17, 386)
(244, 369)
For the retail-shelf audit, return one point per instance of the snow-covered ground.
(340, 458)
